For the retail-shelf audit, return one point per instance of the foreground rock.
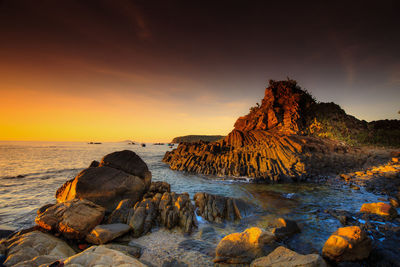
(102, 234)
(216, 208)
(282, 256)
(280, 140)
(120, 175)
(74, 219)
(283, 228)
(379, 208)
(36, 248)
(100, 256)
(243, 248)
(347, 244)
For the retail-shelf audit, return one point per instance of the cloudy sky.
(151, 70)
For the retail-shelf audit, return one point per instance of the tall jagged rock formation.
(281, 139)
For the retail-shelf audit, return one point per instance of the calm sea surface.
(31, 172)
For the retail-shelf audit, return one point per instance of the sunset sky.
(73, 70)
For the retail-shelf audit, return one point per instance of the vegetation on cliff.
(197, 138)
(290, 136)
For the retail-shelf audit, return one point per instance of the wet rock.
(243, 248)
(197, 245)
(216, 208)
(208, 233)
(177, 210)
(104, 233)
(25, 248)
(132, 251)
(394, 202)
(283, 228)
(44, 208)
(5, 233)
(101, 256)
(347, 244)
(379, 208)
(122, 212)
(282, 256)
(74, 219)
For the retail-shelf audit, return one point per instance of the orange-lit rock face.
(379, 208)
(242, 248)
(347, 244)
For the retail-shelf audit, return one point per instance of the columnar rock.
(74, 218)
(216, 208)
(279, 140)
(36, 248)
(104, 233)
(282, 256)
(243, 248)
(120, 175)
(158, 187)
(144, 215)
(122, 212)
(177, 210)
(347, 244)
(100, 256)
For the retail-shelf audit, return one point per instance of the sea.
(31, 173)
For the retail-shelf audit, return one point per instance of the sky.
(106, 70)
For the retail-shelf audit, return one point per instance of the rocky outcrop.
(104, 233)
(197, 138)
(379, 208)
(100, 256)
(216, 208)
(36, 248)
(282, 256)
(349, 243)
(243, 248)
(122, 212)
(74, 218)
(144, 216)
(120, 175)
(279, 140)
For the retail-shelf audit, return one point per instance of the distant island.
(197, 138)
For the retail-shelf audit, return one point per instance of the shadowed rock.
(104, 233)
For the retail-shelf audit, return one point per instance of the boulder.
(104, 186)
(74, 218)
(282, 256)
(347, 244)
(243, 248)
(216, 208)
(34, 248)
(122, 212)
(283, 228)
(104, 233)
(100, 256)
(120, 175)
(129, 162)
(379, 208)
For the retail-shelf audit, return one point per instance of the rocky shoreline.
(289, 137)
(126, 219)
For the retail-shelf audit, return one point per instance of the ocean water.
(31, 172)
